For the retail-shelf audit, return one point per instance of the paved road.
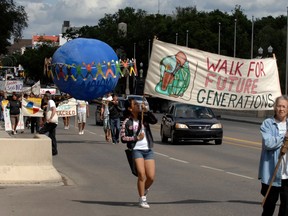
(194, 179)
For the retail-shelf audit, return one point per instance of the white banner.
(7, 121)
(67, 108)
(193, 76)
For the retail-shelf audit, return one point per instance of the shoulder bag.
(54, 119)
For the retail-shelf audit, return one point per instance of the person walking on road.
(82, 113)
(104, 115)
(14, 106)
(274, 132)
(114, 118)
(138, 136)
(50, 124)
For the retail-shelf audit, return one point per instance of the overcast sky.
(47, 16)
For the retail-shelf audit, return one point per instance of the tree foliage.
(13, 20)
(200, 29)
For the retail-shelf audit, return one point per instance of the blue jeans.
(115, 129)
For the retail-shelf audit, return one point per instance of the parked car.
(98, 102)
(139, 99)
(186, 122)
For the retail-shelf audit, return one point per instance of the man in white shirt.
(50, 125)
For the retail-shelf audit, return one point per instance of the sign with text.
(193, 76)
(67, 108)
(14, 86)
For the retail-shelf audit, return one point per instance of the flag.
(32, 107)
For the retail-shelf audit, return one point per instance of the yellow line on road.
(243, 145)
(243, 141)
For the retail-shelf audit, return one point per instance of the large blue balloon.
(85, 68)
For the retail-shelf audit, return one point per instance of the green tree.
(13, 20)
(33, 62)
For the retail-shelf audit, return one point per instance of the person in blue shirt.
(274, 132)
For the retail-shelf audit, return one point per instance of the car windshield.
(191, 111)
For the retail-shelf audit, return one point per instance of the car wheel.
(174, 140)
(218, 142)
(163, 137)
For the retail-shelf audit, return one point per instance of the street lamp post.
(252, 37)
(235, 24)
(187, 33)
(149, 41)
(269, 52)
(219, 37)
(260, 52)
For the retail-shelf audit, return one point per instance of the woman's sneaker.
(143, 202)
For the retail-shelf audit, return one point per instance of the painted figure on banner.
(174, 75)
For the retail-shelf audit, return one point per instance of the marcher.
(2, 97)
(83, 112)
(104, 115)
(14, 106)
(27, 119)
(44, 104)
(66, 119)
(138, 136)
(114, 118)
(35, 121)
(274, 132)
(50, 126)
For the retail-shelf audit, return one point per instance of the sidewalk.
(245, 119)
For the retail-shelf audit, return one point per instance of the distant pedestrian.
(104, 115)
(82, 113)
(274, 132)
(14, 105)
(114, 118)
(2, 97)
(138, 136)
(66, 119)
(50, 125)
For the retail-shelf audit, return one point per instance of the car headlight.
(216, 126)
(178, 125)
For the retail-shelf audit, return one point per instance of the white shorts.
(81, 117)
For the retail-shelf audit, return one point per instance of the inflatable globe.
(85, 68)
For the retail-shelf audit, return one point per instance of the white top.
(50, 104)
(141, 144)
(106, 109)
(284, 165)
(81, 106)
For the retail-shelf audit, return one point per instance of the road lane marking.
(212, 168)
(241, 140)
(243, 176)
(164, 155)
(242, 145)
(203, 166)
(182, 161)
